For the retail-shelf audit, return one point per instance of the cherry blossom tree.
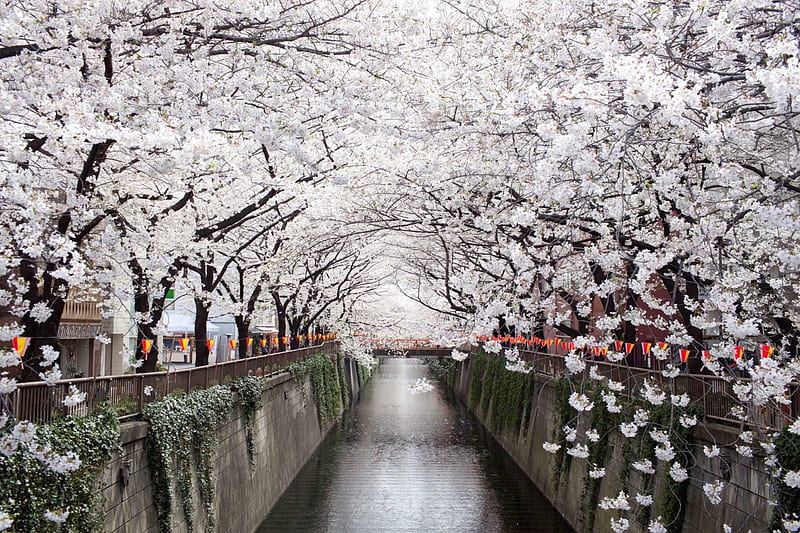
(120, 106)
(614, 171)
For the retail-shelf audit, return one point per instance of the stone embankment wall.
(286, 433)
(744, 506)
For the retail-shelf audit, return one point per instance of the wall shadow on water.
(399, 462)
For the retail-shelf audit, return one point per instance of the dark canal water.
(410, 463)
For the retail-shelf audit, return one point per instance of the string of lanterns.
(20, 344)
(766, 351)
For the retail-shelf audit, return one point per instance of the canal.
(402, 462)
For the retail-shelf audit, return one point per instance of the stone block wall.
(127, 486)
(286, 433)
(745, 505)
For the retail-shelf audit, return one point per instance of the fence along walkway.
(714, 394)
(39, 402)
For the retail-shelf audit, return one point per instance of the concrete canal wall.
(286, 433)
(745, 500)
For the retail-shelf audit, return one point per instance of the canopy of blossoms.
(596, 176)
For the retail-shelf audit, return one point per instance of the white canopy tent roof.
(183, 324)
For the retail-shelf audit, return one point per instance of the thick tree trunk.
(144, 306)
(141, 305)
(53, 293)
(295, 332)
(786, 337)
(145, 331)
(40, 334)
(243, 332)
(201, 333)
(280, 312)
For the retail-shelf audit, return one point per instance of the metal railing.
(713, 393)
(40, 403)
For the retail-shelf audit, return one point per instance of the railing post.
(141, 392)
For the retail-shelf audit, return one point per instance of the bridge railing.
(40, 403)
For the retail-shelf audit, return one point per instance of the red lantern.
(20, 344)
(629, 347)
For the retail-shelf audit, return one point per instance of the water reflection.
(410, 463)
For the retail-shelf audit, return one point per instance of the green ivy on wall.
(363, 372)
(324, 383)
(250, 397)
(509, 394)
(478, 372)
(787, 451)
(562, 414)
(29, 489)
(492, 370)
(345, 386)
(507, 391)
(444, 369)
(673, 500)
(183, 432)
(604, 423)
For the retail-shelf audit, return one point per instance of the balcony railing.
(81, 312)
(39, 402)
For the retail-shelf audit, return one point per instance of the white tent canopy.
(183, 324)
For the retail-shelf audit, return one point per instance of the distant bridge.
(420, 352)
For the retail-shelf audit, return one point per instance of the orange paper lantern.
(629, 347)
(20, 344)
